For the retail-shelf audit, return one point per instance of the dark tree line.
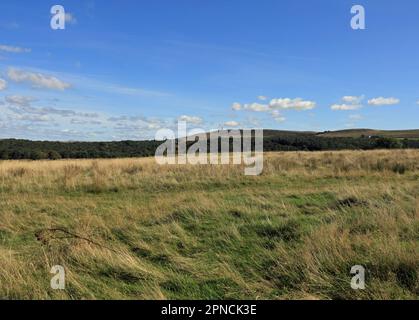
(36, 150)
(316, 143)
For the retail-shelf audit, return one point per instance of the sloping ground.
(356, 133)
(130, 229)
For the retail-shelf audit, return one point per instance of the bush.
(399, 168)
(38, 155)
(54, 155)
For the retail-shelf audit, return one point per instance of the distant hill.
(349, 133)
(357, 133)
(274, 140)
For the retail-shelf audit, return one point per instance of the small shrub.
(407, 276)
(350, 202)
(54, 155)
(399, 168)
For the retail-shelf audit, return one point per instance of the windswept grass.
(130, 229)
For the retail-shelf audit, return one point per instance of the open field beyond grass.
(130, 229)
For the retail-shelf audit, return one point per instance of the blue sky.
(124, 69)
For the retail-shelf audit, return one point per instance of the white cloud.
(231, 124)
(262, 98)
(349, 103)
(345, 107)
(190, 119)
(296, 104)
(236, 106)
(381, 101)
(70, 18)
(277, 116)
(38, 80)
(280, 119)
(277, 104)
(257, 107)
(13, 49)
(417, 102)
(353, 99)
(3, 84)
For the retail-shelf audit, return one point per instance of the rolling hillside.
(356, 133)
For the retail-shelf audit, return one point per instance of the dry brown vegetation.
(131, 229)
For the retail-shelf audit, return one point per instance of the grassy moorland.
(130, 229)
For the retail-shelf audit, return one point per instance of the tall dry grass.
(131, 229)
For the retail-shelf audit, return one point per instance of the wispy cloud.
(353, 99)
(236, 106)
(381, 101)
(13, 49)
(136, 124)
(38, 80)
(3, 84)
(23, 105)
(356, 117)
(349, 103)
(20, 101)
(231, 124)
(257, 107)
(276, 104)
(345, 107)
(190, 119)
(70, 18)
(277, 116)
(129, 91)
(353, 120)
(293, 104)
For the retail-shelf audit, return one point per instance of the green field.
(130, 229)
